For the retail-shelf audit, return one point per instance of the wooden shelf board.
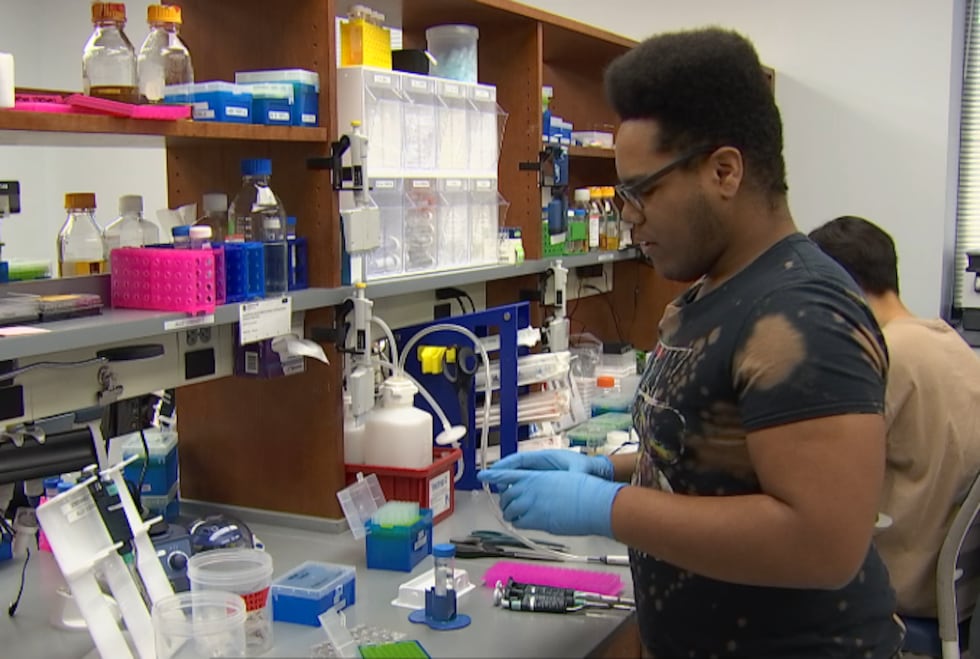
(591, 152)
(173, 130)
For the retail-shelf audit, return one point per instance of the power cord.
(146, 461)
(12, 609)
(604, 294)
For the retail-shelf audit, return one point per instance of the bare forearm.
(623, 466)
(751, 539)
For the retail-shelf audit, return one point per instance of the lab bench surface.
(494, 632)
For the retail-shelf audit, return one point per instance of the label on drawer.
(265, 319)
(439, 493)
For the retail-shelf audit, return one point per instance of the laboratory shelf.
(116, 325)
(174, 131)
(591, 152)
(430, 281)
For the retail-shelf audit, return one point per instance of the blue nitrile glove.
(559, 502)
(558, 460)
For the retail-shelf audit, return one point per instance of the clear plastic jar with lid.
(81, 249)
(163, 58)
(109, 59)
(130, 229)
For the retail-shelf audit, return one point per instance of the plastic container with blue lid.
(272, 103)
(161, 470)
(214, 101)
(305, 110)
(311, 588)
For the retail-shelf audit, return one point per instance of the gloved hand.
(559, 502)
(559, 460)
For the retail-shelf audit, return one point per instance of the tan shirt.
(932, 407)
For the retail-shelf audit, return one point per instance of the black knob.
(177, 561)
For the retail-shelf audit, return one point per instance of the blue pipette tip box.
(399, 547)
(311, 588)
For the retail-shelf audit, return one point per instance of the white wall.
(46, 38)
(864, 90)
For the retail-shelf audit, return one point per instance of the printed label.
(606, 257)
(203, 113)
(77, 508)
(419, 84)
(421, 540)
(265, 319)
(236, 112)
(424, 185)
(454, 184)
(252, 363)
(185, 323)
(278, 115)
(484, 185)
(384, 185)
(482, 94)
(452, 89)
(440, 493)
(382, 79)
(308, 119)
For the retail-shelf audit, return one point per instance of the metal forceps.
(461, 373)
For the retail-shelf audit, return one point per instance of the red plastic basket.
(433, 487)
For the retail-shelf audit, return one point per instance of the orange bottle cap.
(606, 381)
(163, 14)
(79, 200)
(109, 11)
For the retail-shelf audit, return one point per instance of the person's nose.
(631, 214)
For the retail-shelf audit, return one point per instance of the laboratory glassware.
(109, 59)
(81, 249)
(163, 57)
(130, 229)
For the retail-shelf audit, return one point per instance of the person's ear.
(725, 169)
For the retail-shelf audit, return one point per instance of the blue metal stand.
(505, 321)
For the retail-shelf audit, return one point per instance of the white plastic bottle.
(398, 434)
(353, 435)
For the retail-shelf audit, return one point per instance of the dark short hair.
(703, 87)
(863, 249)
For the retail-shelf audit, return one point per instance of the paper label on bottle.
(265, 319)
(440, 493)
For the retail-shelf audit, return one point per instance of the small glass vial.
(200, 237)
(182, 236)
(81, 249)
(444, 556)
(109, 59)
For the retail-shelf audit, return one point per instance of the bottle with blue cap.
(444, 557)
(257, 214)
(182, 236)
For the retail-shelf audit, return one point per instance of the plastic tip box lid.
(313, 580)
(160, 442)
(301, 76)
(360, 501)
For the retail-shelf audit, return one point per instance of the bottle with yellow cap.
(611, 219)
(163, 59)
(109, 60)
(81, 249)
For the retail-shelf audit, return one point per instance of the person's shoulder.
(921, 339)
(796, 266)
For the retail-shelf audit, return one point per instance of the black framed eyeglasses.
(633, 193)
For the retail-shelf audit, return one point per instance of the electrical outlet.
(10, 191)
(584, 281)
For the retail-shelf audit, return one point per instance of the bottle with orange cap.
(81, 248)
(109, 60)
(163, 58)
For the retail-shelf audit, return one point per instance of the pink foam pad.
(162, 112)
(101, 105)
(604, 583)
(42, 106)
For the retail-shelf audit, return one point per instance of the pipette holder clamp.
(440, 612)
(507, 320)
(339, 174)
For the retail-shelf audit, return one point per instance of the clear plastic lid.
(301, 76)
(360, 501)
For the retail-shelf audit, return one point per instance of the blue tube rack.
(244, 271)
(507, 320)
